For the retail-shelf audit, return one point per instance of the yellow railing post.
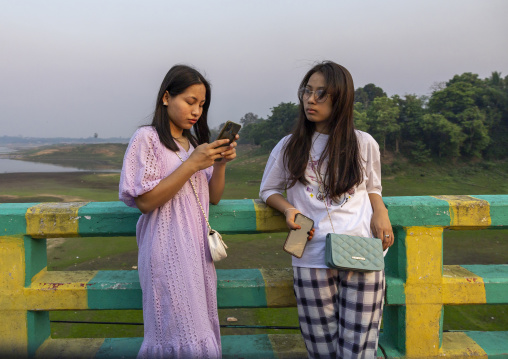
(424, 304)
(23, 329)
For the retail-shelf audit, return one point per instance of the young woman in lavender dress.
(176, 270)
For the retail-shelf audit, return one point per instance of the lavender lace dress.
(176, 271)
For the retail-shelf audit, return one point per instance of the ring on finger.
(387, 236)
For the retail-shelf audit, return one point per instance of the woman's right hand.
(205, 154)
(290, 214)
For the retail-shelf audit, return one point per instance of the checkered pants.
(339, 311)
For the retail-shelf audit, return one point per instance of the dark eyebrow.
(195, 98)
(319, 88)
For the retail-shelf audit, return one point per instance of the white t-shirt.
(351, 214)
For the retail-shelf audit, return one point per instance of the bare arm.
(380, 222)
(202, 157)
(217, 182)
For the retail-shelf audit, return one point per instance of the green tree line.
(466, 117)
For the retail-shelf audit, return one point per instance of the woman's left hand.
(229, 153)
(381, 227)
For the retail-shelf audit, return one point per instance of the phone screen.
(297, 238)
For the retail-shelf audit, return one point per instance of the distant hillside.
(40, 141)
(86, 156)
(400, 175)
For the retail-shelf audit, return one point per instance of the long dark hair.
(176, 81)
(344, 170)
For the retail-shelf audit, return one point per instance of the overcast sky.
(73, 68)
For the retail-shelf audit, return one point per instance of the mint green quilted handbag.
(354, 253)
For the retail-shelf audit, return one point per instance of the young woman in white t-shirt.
(331, 173)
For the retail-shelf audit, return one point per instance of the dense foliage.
(466, 117)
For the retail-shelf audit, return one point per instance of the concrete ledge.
(262, 346)
(247, 288)
(468, 284)
(58, 290)
(71, 348)
(48, 220)
(254, 288)
(455, 345)
(495, 279)
(475, 345)
(120, 289)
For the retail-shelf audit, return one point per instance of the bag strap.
(196, 194)
(320, 182)
(321, 185)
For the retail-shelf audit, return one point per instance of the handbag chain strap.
(322, 185)
(196, 193)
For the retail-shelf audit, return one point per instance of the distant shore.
(25, 187)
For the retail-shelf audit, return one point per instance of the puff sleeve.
(372, 159)
(141, 171)
(274, 177)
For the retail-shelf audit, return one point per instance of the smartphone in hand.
(229, 131)
(297, 238)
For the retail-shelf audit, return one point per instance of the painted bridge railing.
(418, 285)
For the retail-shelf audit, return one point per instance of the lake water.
(15, 166)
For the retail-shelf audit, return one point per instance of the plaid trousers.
(339, 311)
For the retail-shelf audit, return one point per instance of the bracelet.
(287, 209)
